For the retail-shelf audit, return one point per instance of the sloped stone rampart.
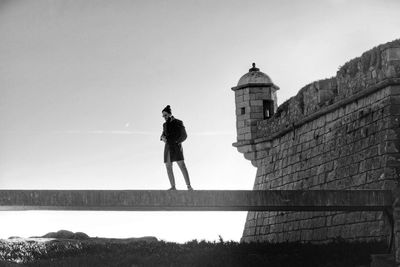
(337, 133)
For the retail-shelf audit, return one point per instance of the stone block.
(373, 185)
(256, 103)
(334, 231)
(248, 136)
(251, 231)
(339, 219)
(240, 137)
(243, 117)
(256, 90)
(346, 231)
(266, 95)
(331, 176)
(392, 54)
(367, 216)
(244, 130)
(390, 184)
(317, 222)
(353, 217)
(250, 156)
(329, 220)
(394, 90)
(354, 169)
(383, 260)
(256, 109)
(250, 223)
(239, 98)
(306, 235)
(240, 124)
(239, 93)
(256, 115)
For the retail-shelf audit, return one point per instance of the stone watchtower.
(255, 99)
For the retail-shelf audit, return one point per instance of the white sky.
(83, 83)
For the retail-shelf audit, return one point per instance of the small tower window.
(268, 108)
(242, 111)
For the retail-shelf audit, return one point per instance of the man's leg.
(185, 173)
(170, 172)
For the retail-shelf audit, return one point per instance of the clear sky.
(83, 83)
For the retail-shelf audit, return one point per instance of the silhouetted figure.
(173, 135)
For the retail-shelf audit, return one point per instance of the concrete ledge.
(202, 200)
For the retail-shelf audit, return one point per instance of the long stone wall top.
(199, 200)
(372, 68)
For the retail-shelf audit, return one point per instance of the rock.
(80, 236)
(144, 238)
(14, 237)
(65, 234)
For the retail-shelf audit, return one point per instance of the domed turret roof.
(254, 76)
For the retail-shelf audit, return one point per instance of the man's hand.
(164, 139)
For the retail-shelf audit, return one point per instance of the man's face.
(166, 115)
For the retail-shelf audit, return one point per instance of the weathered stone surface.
(228, 200)
(338, 133)
(382, 260)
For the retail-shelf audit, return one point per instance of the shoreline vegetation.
(65, 248)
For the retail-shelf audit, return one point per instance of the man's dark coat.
(175, 133)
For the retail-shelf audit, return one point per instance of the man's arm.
(163, 136)
(182, 132)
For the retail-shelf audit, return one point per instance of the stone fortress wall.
(338, 133)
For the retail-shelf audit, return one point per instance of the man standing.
(173, 135)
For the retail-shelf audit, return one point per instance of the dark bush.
(95, 252)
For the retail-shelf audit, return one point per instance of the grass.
(97, 252)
